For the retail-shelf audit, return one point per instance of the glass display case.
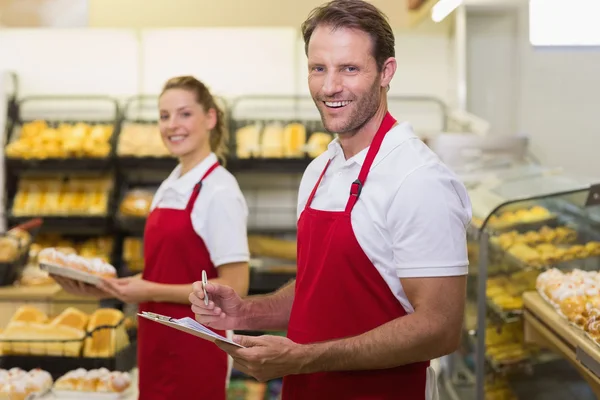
(523, 224)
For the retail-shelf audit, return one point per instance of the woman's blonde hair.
(219, 135)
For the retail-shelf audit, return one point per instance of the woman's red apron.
(340, 293)
(173, 364)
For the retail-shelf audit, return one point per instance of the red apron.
(340, 293)
(173, 364)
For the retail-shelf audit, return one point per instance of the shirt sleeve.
(225, 227)
(428, 219)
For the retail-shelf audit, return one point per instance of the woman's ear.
(211, 119)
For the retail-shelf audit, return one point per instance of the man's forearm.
(405, 340)
(272, 311)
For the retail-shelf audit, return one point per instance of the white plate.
(70, 273)
(74, 394)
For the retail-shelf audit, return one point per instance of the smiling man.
(382, 255)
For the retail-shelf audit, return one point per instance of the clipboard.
(188, 325)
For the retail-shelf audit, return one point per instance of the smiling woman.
(197, 225)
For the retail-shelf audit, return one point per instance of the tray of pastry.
(92, 384)
(17, 383)
(523, 219)
(60, 262)
(504, 293)
(70, 340)
(575, 297)
(547, 247)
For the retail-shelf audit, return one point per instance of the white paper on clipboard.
(188, 325)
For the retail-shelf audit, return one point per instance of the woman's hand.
(129, 290)
(79, 288)
(225, 310)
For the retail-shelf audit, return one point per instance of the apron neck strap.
(198, 186)
(356, 187)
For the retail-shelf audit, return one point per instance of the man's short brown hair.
(354, 14)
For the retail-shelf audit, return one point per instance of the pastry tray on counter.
(78, 395)
(70, 273)
(545, 327)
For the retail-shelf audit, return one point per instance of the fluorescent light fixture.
(443, 8)
(564, 23)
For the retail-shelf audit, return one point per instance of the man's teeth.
(177, 138)
(336, 103)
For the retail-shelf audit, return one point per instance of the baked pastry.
(95, 380)
(94, 266)
(573, 305)
(271, 141)
(248, 141)
(17, 384)
(29, 314)
(72, 317)
(39, 140)
(137, 203)
(105, 342)
(317, 143)
(294, 139)
(9, 249)
(141, 140)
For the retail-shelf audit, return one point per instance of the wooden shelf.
(544, 327)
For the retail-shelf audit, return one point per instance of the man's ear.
(388, 71)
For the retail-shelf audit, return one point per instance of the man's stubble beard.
(363, 111)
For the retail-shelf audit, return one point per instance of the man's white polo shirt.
(412, 214)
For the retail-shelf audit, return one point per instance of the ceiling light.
(443, 8)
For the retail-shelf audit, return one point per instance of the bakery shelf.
(70, 225)
(503, 316)
(152, 163)
(280, 165)
(269, 279)
(131, 225)
(545, 328)
(17, 165)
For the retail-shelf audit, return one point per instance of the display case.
(523, 224)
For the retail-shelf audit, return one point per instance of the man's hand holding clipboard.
(263, 357)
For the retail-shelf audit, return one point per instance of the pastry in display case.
(137, 203)
(141, 140)
(41, 140)
(62, 196)
(133, 253)
(530, 232)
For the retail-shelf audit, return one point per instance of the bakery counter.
(546, 328)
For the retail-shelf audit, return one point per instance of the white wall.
(549, 94)
(233, 62)
(560, 103)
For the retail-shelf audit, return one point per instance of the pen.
(204, 282)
